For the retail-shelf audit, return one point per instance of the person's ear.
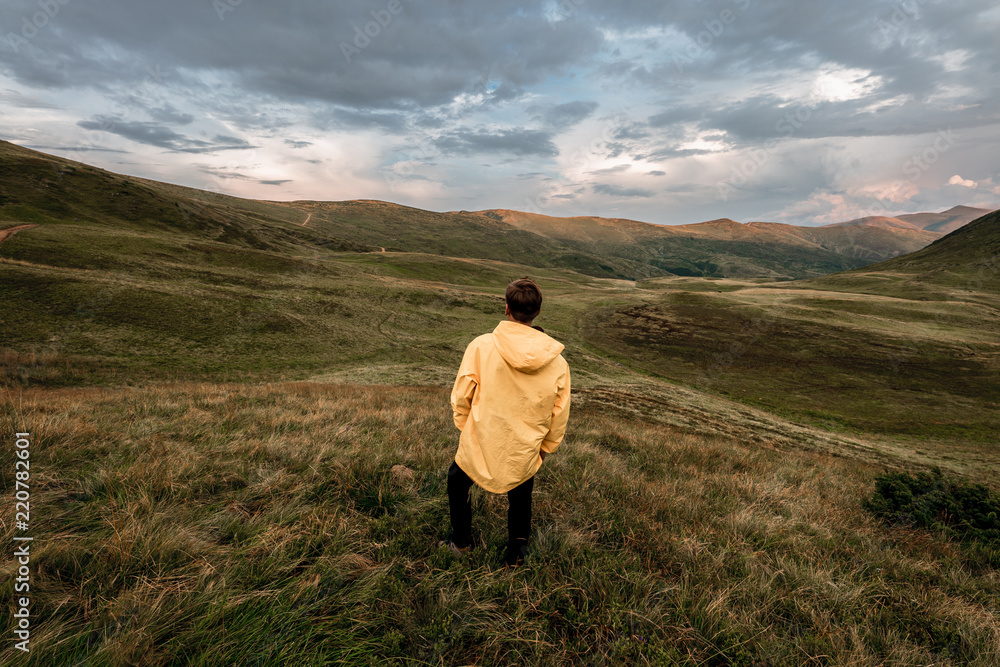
(506, 309)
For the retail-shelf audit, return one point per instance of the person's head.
(524, 300)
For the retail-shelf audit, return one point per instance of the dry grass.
(263, 524)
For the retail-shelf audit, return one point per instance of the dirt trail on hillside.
(308, 218)
(10, 231)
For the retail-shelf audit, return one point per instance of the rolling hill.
(36, 188)
(726, 248)
(239, 430)
(876, 221)
(939, 223)
(108, 208)
(942, 223)
(127, 278)
(906, 346)
(964, 264)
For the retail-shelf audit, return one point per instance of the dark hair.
(524, 299)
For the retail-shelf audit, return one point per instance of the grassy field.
(920, 376)
(260, 524)
(218, 400)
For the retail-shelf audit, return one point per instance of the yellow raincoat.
(510, 400)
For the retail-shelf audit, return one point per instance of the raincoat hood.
(524, 348)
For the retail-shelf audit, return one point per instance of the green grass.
(910, 370)
(204, 524)
(918, 375)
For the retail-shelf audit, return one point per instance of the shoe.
(454, 548)
(515, 556)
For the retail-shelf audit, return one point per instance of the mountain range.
(40, 188)
(943, 223)
(726, 248)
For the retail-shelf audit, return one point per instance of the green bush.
(967, 512)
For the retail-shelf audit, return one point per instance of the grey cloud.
(425, 56)
(518, 141)
(429, 121)
(394, 123)
(226, 174)
(617, 169)
(76, 149)
(618, 191)
(439, 74)
(631, 130)
(429, 53)
(506, 92)
(768, 39)
(566, 115)
(154, 134)
(16, 98)
(143, 132)
(168, 114)
(676, 114)
(767, 117)
(669, 152)
(615, 149)
(277, 181)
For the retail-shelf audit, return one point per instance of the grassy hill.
(945, 221)
(939, 223)
(725, 248)
(963, 265)
(968, 256)
(262, 524)
(219, 395)
(38, 188)
(54, 192)
(908, 348)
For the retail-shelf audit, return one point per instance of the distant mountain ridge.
(51, 191)
(968, 256)
(725, 247)
(965, 262)
(942, 223)
(585, 228)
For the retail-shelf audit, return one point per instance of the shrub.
(967, 512)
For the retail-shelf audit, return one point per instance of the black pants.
(460, 502)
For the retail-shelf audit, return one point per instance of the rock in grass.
(401, 473)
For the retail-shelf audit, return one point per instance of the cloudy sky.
(671, 112)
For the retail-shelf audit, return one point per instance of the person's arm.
(464, 388)
(560, 417)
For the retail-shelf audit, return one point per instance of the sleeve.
(560, 417)
(465, 387)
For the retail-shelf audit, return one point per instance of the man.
(511, 403)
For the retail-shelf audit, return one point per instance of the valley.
(219, 395)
